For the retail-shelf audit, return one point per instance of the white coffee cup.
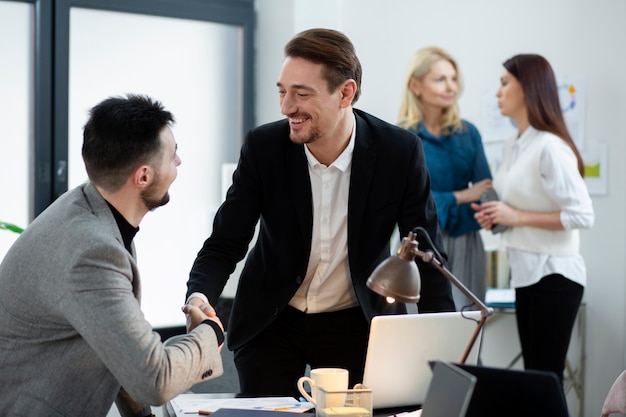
(332, 379)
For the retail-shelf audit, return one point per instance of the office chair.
(615, 401)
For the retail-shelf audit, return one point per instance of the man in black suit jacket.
(328, 185)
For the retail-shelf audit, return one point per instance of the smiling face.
(511, 97)
(437, 89)
(313, 112)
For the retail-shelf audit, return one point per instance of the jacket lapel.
(300, 185)
(101, 209)
(363, 161)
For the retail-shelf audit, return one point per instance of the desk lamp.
(398, 279)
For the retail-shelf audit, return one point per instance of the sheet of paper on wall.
(596, 159)
(186, 404)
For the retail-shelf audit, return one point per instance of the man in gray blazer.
(327, 186)
(73, 338)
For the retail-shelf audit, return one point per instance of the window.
(194, 57)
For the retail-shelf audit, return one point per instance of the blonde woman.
(456, 160)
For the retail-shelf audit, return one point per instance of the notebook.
(508, 392)
(449, 392)
(400, 347)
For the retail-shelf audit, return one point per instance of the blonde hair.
(411, 110)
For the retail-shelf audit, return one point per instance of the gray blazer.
(71, 328)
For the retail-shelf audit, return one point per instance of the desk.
(169, 412)
(500, 348)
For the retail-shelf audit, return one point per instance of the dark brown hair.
(122, 133)
(332, 49)
(542, 98)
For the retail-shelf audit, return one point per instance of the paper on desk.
(186, 404)
(416, 413)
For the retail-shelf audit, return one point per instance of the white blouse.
(561, 181)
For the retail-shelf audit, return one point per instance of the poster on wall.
(595, 157)
(572, 98)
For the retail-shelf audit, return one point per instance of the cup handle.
(301, 381)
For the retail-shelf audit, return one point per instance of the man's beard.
(152, 203)
(312, 137)
(149, 198)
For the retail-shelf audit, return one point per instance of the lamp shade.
(397, 277)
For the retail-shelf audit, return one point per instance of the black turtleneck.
(127, 230)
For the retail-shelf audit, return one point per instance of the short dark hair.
(334, 50)
(122, 133)
(541, 96)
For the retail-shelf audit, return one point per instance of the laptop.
(449, 392)
(400, 347)
(509, 392)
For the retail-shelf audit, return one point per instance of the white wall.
(578, 37)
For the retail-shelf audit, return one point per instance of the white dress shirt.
(327, 285)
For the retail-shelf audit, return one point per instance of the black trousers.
(273, 361)
(546, 312)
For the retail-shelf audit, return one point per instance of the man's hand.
(195, 315)
(196, 311)
(204, 305)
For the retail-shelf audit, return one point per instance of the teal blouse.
(454, 160)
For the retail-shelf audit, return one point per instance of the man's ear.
(142, 176)
(348, 91)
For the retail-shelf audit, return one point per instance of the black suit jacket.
(389, 185)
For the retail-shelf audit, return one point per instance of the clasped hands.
(490, 213)
(196, 311)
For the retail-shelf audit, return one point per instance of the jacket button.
(299, 279)
(207, 374)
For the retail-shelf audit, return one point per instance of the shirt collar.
(425, 134)
(421, 130)
(343, 160)
(526, 137)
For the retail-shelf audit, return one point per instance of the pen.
(205, 412)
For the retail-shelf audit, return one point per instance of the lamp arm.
(485, 312)
(430, 257)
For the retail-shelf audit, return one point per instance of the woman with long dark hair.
(544, 200)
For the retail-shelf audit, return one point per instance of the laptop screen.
(400, 347)
(507, 392)
(449, 392)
